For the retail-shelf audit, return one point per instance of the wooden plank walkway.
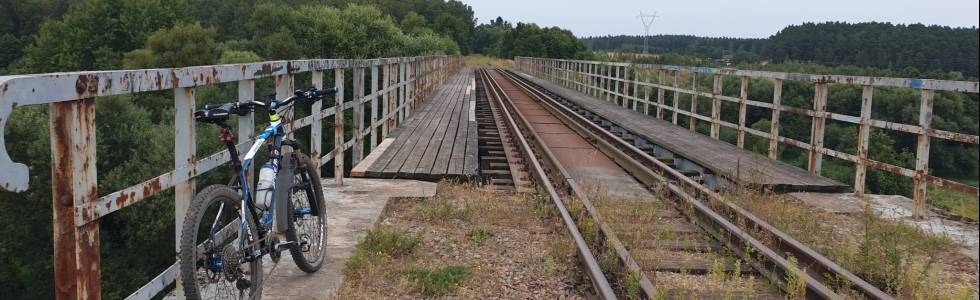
(717, 156)
(439, 141)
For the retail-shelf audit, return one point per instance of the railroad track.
(501, 166)
(702, 238)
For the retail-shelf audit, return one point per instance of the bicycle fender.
(284, 186)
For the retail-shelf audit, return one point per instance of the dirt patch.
(473, 243)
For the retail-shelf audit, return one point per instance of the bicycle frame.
(275, 132)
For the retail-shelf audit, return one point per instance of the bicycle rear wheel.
(307, 217)
(212, 263)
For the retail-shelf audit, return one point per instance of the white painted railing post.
(385, 100)
(677, 97)
(185, 149)
(316, 129)
(716, 88)
(74, 182)
(817, 128)
(338, 136)
(922, 153)
(692, 118)
(246, 123)
(660, 93)
(777, 95)
(636, 92)
(742, 98)
(374, 106)
(358, 151)
(284, 89)
(864, 136)
(402, 100)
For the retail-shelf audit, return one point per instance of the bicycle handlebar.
(223, 111)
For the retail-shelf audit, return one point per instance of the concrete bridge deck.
(438, 141)
(719, 157)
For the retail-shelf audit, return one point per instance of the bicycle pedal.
(243, 284)
(285, 245)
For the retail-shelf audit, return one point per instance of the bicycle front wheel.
(307, 216)
(213, 263)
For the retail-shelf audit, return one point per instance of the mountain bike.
(229, 229)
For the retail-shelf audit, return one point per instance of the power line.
(646, 28)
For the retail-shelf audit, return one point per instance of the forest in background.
(873, 44)
(135, 132)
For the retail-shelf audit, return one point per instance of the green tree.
(413, 23)
(179, 46)
(94, 34)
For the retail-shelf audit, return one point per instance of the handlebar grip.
(313, 93)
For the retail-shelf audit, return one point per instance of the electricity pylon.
(646, 28)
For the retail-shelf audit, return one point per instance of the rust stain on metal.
(152, 187)
(267, 69)
(86, 85)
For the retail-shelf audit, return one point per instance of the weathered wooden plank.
(471, 164)
(446, 151)
(440, 130)
(427, 136)
(398, 162)
(406, 130)
(458, 157)
(445, 135)
(378, 169)
(361, 169)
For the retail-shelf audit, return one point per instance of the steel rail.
(599, 281)
(816, 264)
(561, 176)
(813, 264)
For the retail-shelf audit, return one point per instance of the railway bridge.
(553, 126)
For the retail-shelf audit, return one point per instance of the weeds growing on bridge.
(473, 244)
(900, 259)
(650, 229)
(438, 281)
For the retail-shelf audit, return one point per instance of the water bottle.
(265, 189)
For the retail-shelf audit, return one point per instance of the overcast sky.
(739, 18)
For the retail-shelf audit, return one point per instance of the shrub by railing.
(396, 84)
(634, 83)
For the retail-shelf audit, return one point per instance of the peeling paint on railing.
(71, 98)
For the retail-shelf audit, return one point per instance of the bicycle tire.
(306, 167)
(189, 239)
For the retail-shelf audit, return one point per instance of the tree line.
(872, 44)
(135, 133)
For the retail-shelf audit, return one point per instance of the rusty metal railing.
(635, 84)
(396, 84)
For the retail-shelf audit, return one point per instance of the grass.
(435, 282)
(900, 259)
(442, 211)
(479, 60)
(479, 234)
(632, 284)
(957, 203)
(381, 245)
